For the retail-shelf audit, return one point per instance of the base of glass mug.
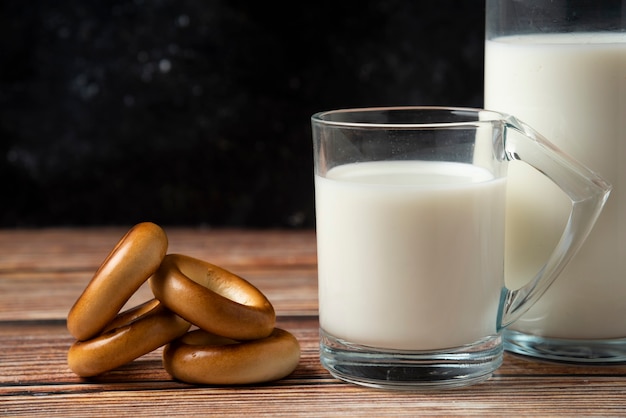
(411, 370)
(565, 350)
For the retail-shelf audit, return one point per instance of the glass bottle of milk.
(560, 66)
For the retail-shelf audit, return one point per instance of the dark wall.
(189, 112)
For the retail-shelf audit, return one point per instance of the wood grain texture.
(42, 272)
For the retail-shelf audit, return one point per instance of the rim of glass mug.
(461, 114)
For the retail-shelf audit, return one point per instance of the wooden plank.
(50, 295)
(45, 343)
(42, 272)
(314, 401)
(34, 352)
(84, 249)
(35, 378)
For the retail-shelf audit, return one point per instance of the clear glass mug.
(410, 212)
(561, 67)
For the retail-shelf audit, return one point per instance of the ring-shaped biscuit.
(132, 334)
(212, 298)
(135, 258)
(202, 358)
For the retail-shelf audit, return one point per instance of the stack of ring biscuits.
(234, 340)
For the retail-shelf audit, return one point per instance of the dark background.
(196, 112)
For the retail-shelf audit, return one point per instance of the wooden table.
(42, 272)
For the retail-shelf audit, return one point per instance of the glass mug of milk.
(410, 216)
(561, 67)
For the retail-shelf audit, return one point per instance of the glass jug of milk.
(561, 67)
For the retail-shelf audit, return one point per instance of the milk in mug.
(410, 253)
(572, 89)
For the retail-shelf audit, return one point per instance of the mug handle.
(587, 191)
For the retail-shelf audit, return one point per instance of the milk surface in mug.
(410, 254)
(572, 89)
